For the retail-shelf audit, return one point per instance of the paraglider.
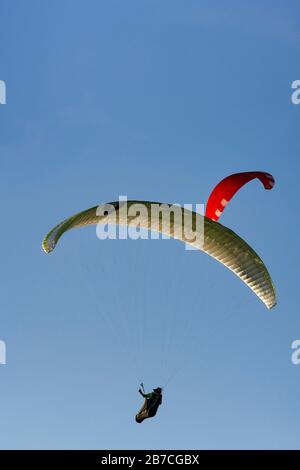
(152, 402)
(211, 237)
(226, 189)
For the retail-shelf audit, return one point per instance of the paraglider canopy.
(219, 242)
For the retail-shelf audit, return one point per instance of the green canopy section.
(192, 228)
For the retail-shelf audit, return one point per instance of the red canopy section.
(226, 189)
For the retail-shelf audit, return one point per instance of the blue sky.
(157, 100)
